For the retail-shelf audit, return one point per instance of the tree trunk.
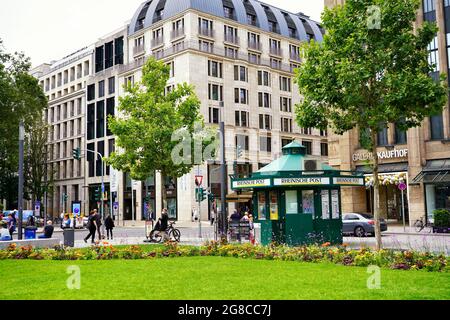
(376, 191)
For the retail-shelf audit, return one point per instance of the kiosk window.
(291, 202)
(308, 202)
(335, 204)
(325, 204)
(262, 204)
(274, 205)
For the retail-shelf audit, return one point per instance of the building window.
(265, 122)
(101, 89)
(308, 146)
(91, 159)
(129, 81)
(100, 119)
(111, 85)
(243, 142)
(286, 125)
(118, 51)
(241, 96)
(306, 131)
(254, 58)
(171, 65)
(228, 12)
(231, 52)
(215, 92)
(206, 46)
(109, 55)
(264, 100)
(214, 115)
(91, 121)
(99, 162)
(275, 63)
(400, 136)
(242, 119)
(231, 34)
(285, 142)
(324, 149)
(99, 59)
(240, 73)
(252, 20)
(285, 104)
(285, 84)
(110, 107)
(383, 137)
(91, 92)
(215, 69)
(205, 27)
(264, 78)
(437, 127)
(265, 144)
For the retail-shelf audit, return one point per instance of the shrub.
(442, 218)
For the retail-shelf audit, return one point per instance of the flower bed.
(406, 260)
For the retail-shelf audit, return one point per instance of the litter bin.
(30, 233)
(69, 237)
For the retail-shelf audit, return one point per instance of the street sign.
(402, 186)
(198, 180)
(114, 180)
(115, 209)
(76, 208)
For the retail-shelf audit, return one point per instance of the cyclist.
(164, 225)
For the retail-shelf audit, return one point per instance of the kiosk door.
(299, 206)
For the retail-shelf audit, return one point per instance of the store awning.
(385, 168)
(435, 172)
(236, 197)
(432, 177)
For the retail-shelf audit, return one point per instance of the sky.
(47, 30)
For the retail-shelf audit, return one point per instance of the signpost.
(402, 186)
(199, 193)
(37, 209)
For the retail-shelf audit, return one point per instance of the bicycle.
(421, 225)
(173, 234)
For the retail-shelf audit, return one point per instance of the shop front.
(435, 178)
(296, 206)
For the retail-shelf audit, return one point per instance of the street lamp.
(20, 193)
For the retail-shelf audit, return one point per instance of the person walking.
(109, 225)
(12, 223)
(99, 223)
(252, 229)
(92, 227)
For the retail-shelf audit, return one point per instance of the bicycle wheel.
(155, 236)
(176, 235)
(428, 228)
(419, 226)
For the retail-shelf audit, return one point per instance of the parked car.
(361, 225)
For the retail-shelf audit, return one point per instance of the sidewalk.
(410, 231)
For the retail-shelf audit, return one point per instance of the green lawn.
(215, 278)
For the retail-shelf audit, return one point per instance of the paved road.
(398, 241)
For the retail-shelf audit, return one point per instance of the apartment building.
(421, 155)
(64, 83)
(240, 55)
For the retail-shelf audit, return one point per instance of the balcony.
(157, 42)
(206, 32)
(255, 45)
(231, 38)
(177, 33)
(137, 50)
(276, 51)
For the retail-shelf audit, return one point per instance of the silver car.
(361, 224)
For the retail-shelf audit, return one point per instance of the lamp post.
(20, 193)
(223, 180)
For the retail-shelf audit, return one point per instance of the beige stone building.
(421, 156)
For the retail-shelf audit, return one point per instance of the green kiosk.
(297, 199)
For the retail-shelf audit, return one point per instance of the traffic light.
(200, 194)
(211, 197)
(97, 194)
(76, 153)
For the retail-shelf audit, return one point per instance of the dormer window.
(251, 20)
(273, 26)
(228, 12)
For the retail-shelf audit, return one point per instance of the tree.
(370, 70)
(151, 123)
(21, 98)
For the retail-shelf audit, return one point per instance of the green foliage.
(441, 218)
(21, 97)
(148, 117)
(368, 78)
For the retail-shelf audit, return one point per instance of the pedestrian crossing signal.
(76, 153)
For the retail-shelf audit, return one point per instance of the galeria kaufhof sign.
(239, 184)
(389, 154)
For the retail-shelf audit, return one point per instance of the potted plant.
(441, 221)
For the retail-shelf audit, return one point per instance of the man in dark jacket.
(48, 231)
